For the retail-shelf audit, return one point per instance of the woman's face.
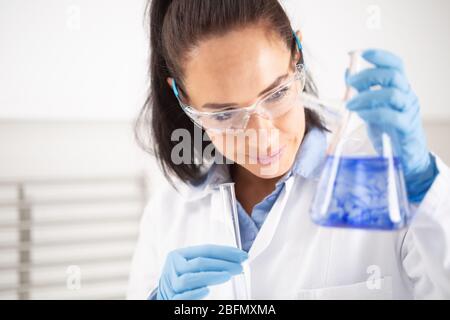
(234, 69)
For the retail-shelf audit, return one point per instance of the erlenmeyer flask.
(362, 185)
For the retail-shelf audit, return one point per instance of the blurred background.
(73, 75)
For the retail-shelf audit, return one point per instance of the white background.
(73, 76)
(87, 59)
(62, 59)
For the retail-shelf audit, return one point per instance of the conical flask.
(362, 184)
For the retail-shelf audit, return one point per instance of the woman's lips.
(269, 159)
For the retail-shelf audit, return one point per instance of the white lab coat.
(292, 258)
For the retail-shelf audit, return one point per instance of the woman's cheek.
(295, 122)
(225, 145)
(292, 126)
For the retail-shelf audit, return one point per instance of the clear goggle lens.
(273, 106)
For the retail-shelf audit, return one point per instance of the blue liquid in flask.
(367, 193)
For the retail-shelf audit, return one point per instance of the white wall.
(87, 59)
(69, 59)
(71, 149)
(416, 30)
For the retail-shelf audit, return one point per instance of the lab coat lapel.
(270, 225)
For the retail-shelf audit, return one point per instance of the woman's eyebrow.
(274, 84)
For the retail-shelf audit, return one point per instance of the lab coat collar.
(309, 157)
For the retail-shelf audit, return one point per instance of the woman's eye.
(222, 116)
(278, 95)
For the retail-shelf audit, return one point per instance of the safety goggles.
(271, 106)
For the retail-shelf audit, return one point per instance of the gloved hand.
(189, 271)
(394, 109)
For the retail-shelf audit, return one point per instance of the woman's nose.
(259, 122)
(264, 131)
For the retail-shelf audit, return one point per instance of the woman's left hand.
(394, 108)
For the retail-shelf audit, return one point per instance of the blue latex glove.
(394, 109)
(189, 271)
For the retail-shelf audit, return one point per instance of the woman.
(209, 61)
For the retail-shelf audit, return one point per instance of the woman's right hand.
(189, 271)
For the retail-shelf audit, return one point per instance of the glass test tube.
(230, 214)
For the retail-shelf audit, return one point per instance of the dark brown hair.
(177, 26)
